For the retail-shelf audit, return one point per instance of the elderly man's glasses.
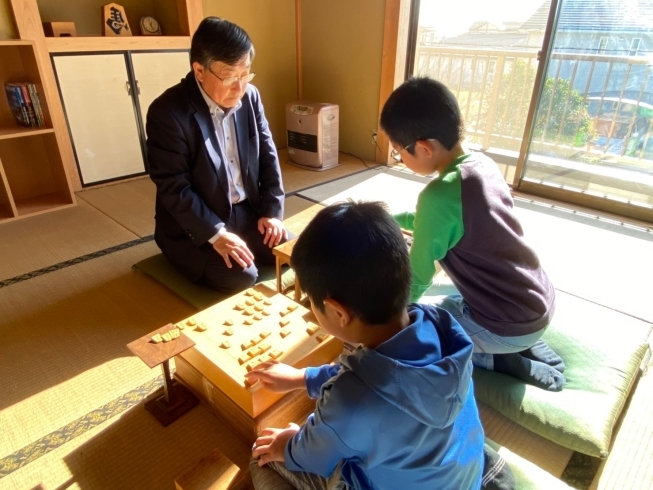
(396, 154)
(229, 81)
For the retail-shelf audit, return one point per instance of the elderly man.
(219, 201)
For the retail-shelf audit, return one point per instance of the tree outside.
(562, 118)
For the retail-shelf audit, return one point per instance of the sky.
(454, 17)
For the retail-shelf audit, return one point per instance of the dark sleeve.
(168, 156)
(270, 186)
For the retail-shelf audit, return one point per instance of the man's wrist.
(215, 237)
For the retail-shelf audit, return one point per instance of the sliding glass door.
(487, 54)
(558, 92)
(591, 139)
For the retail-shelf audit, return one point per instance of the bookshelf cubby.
(32, 175)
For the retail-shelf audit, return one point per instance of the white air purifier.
(312, 131)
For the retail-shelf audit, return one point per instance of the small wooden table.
(283, 253)
(171, 401)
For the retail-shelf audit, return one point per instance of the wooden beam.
(100, 43)
(191, 13)
(395, 45)
(618, 210)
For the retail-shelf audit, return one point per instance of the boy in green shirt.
(465, 221)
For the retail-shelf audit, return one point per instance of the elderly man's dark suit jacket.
(186, 164)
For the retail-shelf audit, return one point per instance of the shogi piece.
(224, 369)
(213, 472)
(114, 21)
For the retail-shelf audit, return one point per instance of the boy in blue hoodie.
(399, 411)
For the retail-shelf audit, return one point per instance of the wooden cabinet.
(105, 98)
(32, 177)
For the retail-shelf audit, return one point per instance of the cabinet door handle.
(128, 86)
(138, 87)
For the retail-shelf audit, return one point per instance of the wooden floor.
(70, 402)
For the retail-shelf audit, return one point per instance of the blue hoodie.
(401, 416)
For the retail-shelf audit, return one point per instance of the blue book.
(17, 104)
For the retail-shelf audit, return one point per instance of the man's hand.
(231, 245)
(272, 230)
(279, 377)
(271, 444)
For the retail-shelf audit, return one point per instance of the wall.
(7, 26)
(271, 25)
(342, 45)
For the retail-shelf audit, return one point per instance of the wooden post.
(298, 42)
(395, 44)
(191, 14)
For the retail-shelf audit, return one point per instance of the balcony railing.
(594, 108)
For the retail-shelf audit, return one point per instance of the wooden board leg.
(279, 276)
(298, 290)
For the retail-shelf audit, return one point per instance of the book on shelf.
(25, 105)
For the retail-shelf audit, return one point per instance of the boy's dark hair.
(420, 109)
(217, 39)
(355, 254)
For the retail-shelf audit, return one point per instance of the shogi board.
(292, 407)
(238, 336)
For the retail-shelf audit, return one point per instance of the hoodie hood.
(429, 363)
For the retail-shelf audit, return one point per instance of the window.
(634, 46)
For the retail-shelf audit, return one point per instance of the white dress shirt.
(225, 130)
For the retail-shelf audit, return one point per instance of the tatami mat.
(299, 212)
(64, 338)
(295, 178)
(41, 241)
(630, 464)
(575, 255)
(536, 449)
(130, 204)
(609, 266)
(131, 451)
(399, 190)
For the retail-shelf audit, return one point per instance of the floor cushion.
(602, 350)
(159, 269)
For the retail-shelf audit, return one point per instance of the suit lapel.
(242, 137)
(204, 121)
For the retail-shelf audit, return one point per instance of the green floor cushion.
(158, 268)
(528, 476)
(602, 350)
